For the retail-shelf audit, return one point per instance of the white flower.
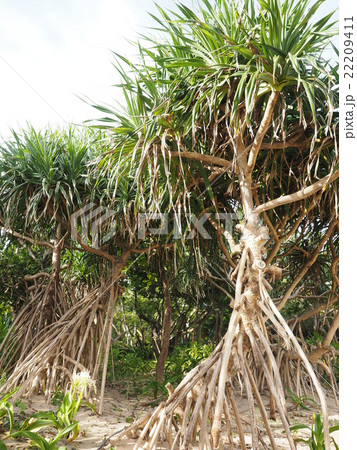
(81, 382)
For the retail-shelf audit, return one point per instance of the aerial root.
(201, 414)
(44, 355)
(47, 300)
(184, 419)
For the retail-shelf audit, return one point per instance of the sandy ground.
(120, 410)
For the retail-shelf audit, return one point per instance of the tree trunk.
(166, 329)
(50, 303)
(56, 255)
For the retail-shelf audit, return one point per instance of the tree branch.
(214, 160)
(299, 195)
(95, 251)
(312, 312)
(219, 287)
(325, 347)
(263, 128)
(285, 144)
(27, 239)
(307, 266)
(233, 246)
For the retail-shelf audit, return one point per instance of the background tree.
(45, 178)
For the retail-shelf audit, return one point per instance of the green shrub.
(316, 439)
(183, 359)
(63, 420)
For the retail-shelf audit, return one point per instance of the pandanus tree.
(46, 177)
(43, 179)
(232, 111)
(50, 197)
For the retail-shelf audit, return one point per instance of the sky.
(55, 53)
